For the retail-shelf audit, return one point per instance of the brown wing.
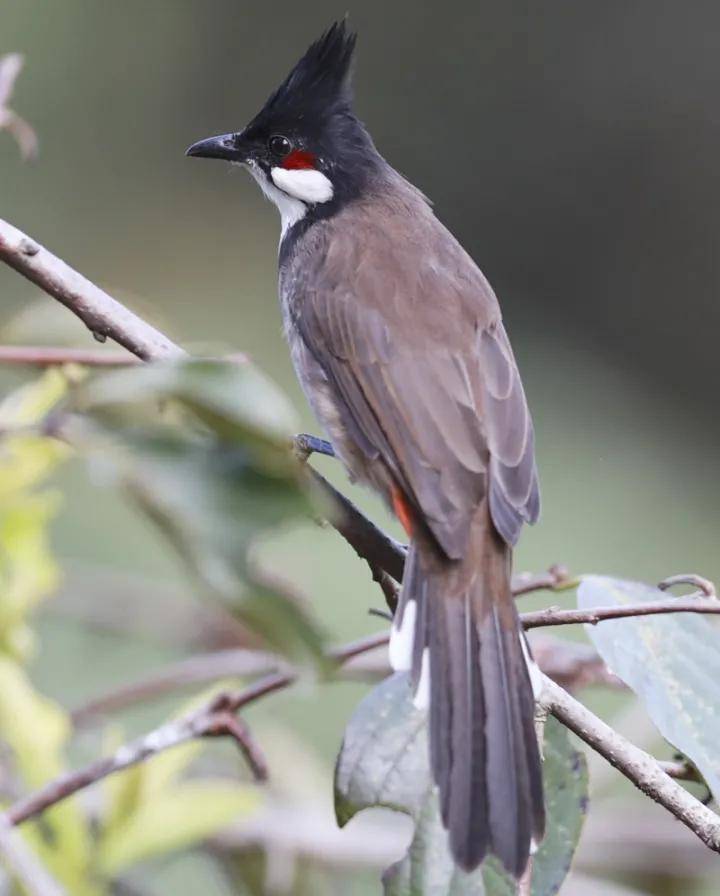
(421, 362)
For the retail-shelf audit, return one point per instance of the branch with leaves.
(643, 770)
(569, 665)
(219, 718)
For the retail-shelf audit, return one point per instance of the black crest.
(320, 83)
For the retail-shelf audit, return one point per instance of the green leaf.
(235, 400)
(384, 762)
(566, 786)
(31, 402)
(176, 819)
(672, 662)
(213, 470)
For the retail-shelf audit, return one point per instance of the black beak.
(225, 146)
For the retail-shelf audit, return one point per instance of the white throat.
(292, 191)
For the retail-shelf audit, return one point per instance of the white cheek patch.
(304, 184)
(291, 209)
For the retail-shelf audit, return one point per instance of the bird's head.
(305, 147)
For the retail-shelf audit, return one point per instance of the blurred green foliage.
(153, 808)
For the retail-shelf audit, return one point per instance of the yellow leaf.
(28, 572)
(177, 819)
(36, 730)
(31, 402)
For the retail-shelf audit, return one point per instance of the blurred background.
(573, 149)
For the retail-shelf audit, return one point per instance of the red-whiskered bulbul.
(397, 340)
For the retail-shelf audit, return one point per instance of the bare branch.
(103, 315)
(569, 664)
(557, 578)
(223, 723)
(219, 719)
(556, 616)
(689, 578)
(23, 864)
(681, 770)
(367, 540)
(209, 721)
(639, 767)
(42, 356)
(207, 667)
(214, 720)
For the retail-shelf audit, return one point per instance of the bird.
(398, 343)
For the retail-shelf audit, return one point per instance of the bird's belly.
(326, 406)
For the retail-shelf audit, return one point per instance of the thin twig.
(103, 315)
(367, 540)
(689, 578)
(42, 356)
(224, 723)
(569, 664)
(388, 586)
(213, 720)
(209, 721)
(23, 864)
(557, 578)
(556, 616)
(232, 663)
(681, 770)
(644, 771)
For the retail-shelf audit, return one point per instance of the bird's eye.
(279, 145)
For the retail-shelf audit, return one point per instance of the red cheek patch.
(298, 159)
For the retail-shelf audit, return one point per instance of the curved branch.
(22, 862)
(238, 662)
(216, 719)
(368, 541)
(219, 719)
(103, 315)
(643, 770)
(556, 616)
(43, 356)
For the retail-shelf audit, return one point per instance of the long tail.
(457, 629)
